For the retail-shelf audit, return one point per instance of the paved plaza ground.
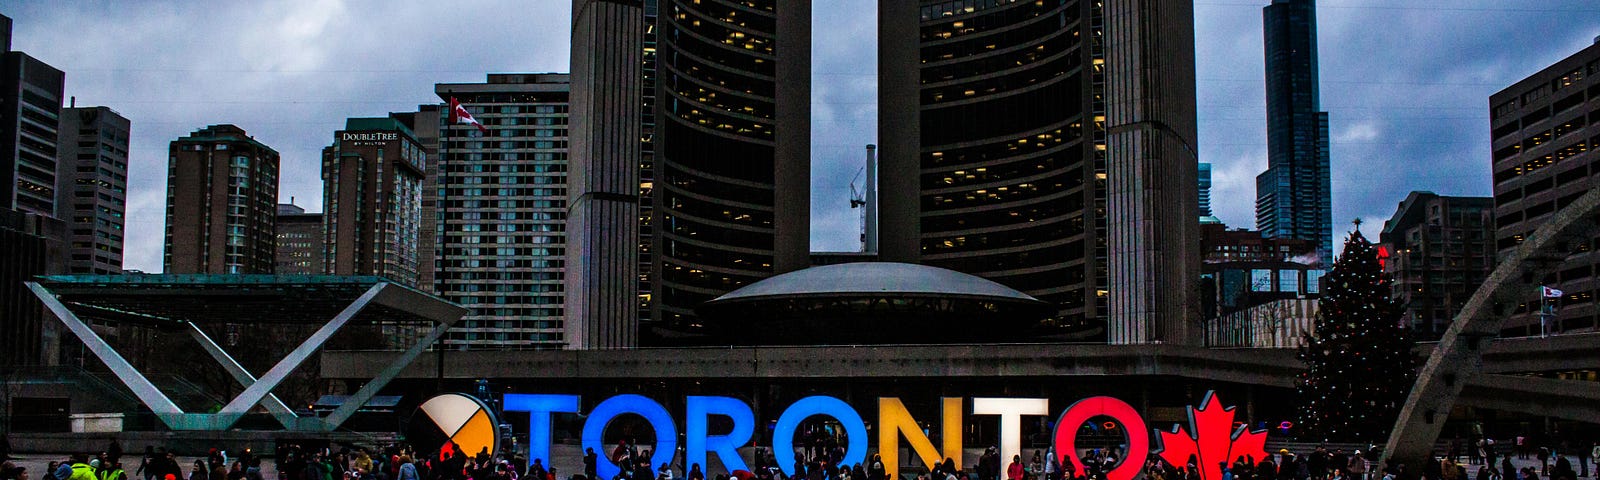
(567, 461)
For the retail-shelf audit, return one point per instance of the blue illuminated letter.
(726, 446)
(595, 428)
(539, 408)
(854, 429)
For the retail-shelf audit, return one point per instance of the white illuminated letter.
(1010, 411)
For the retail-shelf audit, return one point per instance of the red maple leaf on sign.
(1211, 440)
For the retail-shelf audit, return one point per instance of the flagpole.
(1544, 312)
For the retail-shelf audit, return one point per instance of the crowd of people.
(819, 457)
(1322, 464)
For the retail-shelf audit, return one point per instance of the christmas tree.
(1359, 366)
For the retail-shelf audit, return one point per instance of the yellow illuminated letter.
(894, 420)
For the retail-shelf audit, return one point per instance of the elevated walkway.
(180, 304)
(1506, 385)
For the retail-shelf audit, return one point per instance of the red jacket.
(1014, 472)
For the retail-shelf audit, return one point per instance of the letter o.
(594, 430)
(855, 430)
(1133, 424)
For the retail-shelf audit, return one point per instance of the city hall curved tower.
(732, 149)
(994, 136)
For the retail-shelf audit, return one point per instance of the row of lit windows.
(1554, 157)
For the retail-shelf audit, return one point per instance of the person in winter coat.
(1015, 471)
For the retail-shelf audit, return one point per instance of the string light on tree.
(1358, 359)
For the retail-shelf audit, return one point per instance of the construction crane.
(866, 198)
(857, 197)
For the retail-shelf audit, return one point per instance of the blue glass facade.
(1293, 195)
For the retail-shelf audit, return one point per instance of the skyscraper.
(1204, 184)
(93, 193)
(372, 200)
(732, 145)
(1293, 197)
(222, 203)
(425, 123)
(994, 129)
(30, 95)
(502, 211)
(1546, 131)
(33, 238)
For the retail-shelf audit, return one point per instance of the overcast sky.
(1406, 85)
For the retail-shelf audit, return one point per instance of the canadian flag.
(459, 114)
(1550, 292)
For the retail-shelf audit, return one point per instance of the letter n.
(894, 420)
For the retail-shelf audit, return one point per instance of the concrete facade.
(28, 133)
(1439, 251)
(372, 200)
(222, 203)
(93, 191)
(33, 246)
(1546, 129)
(1151, 173)
(424, 123)
(603, 176)
(300, 242)
(502, 211)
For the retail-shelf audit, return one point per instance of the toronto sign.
(1211, 435)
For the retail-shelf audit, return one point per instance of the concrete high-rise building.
(1439, 250)
(372, 200)
(222, 203)
(425, 123)
(30, 115)
(1546, 131)
(502, 211)
(299, 242)
(731, 165)
(93, 191)
(995, 126)
(33, 237)
(603, 182)
(1293, 197)
(1150, 169)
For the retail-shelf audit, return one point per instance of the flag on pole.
(459, 114)
(1550, 292)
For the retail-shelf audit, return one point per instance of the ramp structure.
(184, 303)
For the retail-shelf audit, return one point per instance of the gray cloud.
(1406, 87)
(289, 72)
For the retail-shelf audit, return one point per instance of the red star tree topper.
(1211, 440)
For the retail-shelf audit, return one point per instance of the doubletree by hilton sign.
(369, 136)
(1210, 437)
